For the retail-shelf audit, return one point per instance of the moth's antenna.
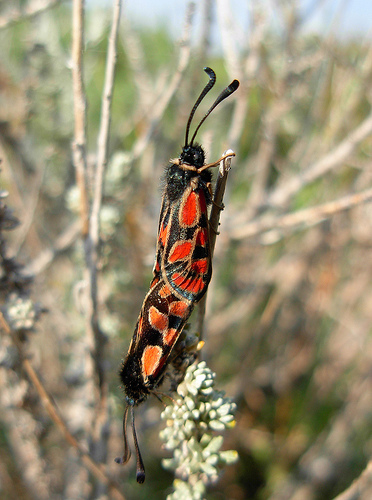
(225, 93)
(126, 456)
(141, 476)
(207, 88)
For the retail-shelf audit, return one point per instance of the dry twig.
(214, 218)
(92, 255)
(80, 140)
(307, 216)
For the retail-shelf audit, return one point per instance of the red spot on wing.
(158, 320)
(163, 234)
(154, 282)
(200, 266)
(201, 237)
(162, 362)
(180, 251)
(192, 285)
(164, 291)
(178, 308)
(140, 325)
(150, 359)
(171, 336)
(190, 212)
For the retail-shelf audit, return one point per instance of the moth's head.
(193, 155)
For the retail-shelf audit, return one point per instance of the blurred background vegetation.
(288, 324)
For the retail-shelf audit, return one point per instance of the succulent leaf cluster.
(193, 422)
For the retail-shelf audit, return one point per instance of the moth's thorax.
(177, 178)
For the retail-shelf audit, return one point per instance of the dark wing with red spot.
(161, 321)
(185, 262)
(162, 232)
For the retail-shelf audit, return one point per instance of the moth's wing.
(186, 261)
(160, 242)
(162, 318)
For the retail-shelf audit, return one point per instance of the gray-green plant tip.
(21, 312)
(193, 421)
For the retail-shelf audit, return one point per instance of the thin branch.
(103, 134)
(80, 140)
(214, 219)
(219, 192)
(26, 12)
(102, 151)
(93, 373)
(308, 216)
(95, 468)
(92, 250)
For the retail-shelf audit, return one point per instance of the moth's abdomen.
(132, 380)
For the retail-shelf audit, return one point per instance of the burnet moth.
(182, 271)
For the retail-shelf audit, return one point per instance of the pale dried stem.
(91, 367)
(103, 134)
(219, 191)
(79, 142)
(94, 235)
(102, 153)
(307, 216)
(214, 218)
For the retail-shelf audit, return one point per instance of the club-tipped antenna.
(126, 455)
(225, 93)
(207, 88)
(140, 472)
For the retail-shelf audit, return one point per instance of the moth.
(181, 273)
